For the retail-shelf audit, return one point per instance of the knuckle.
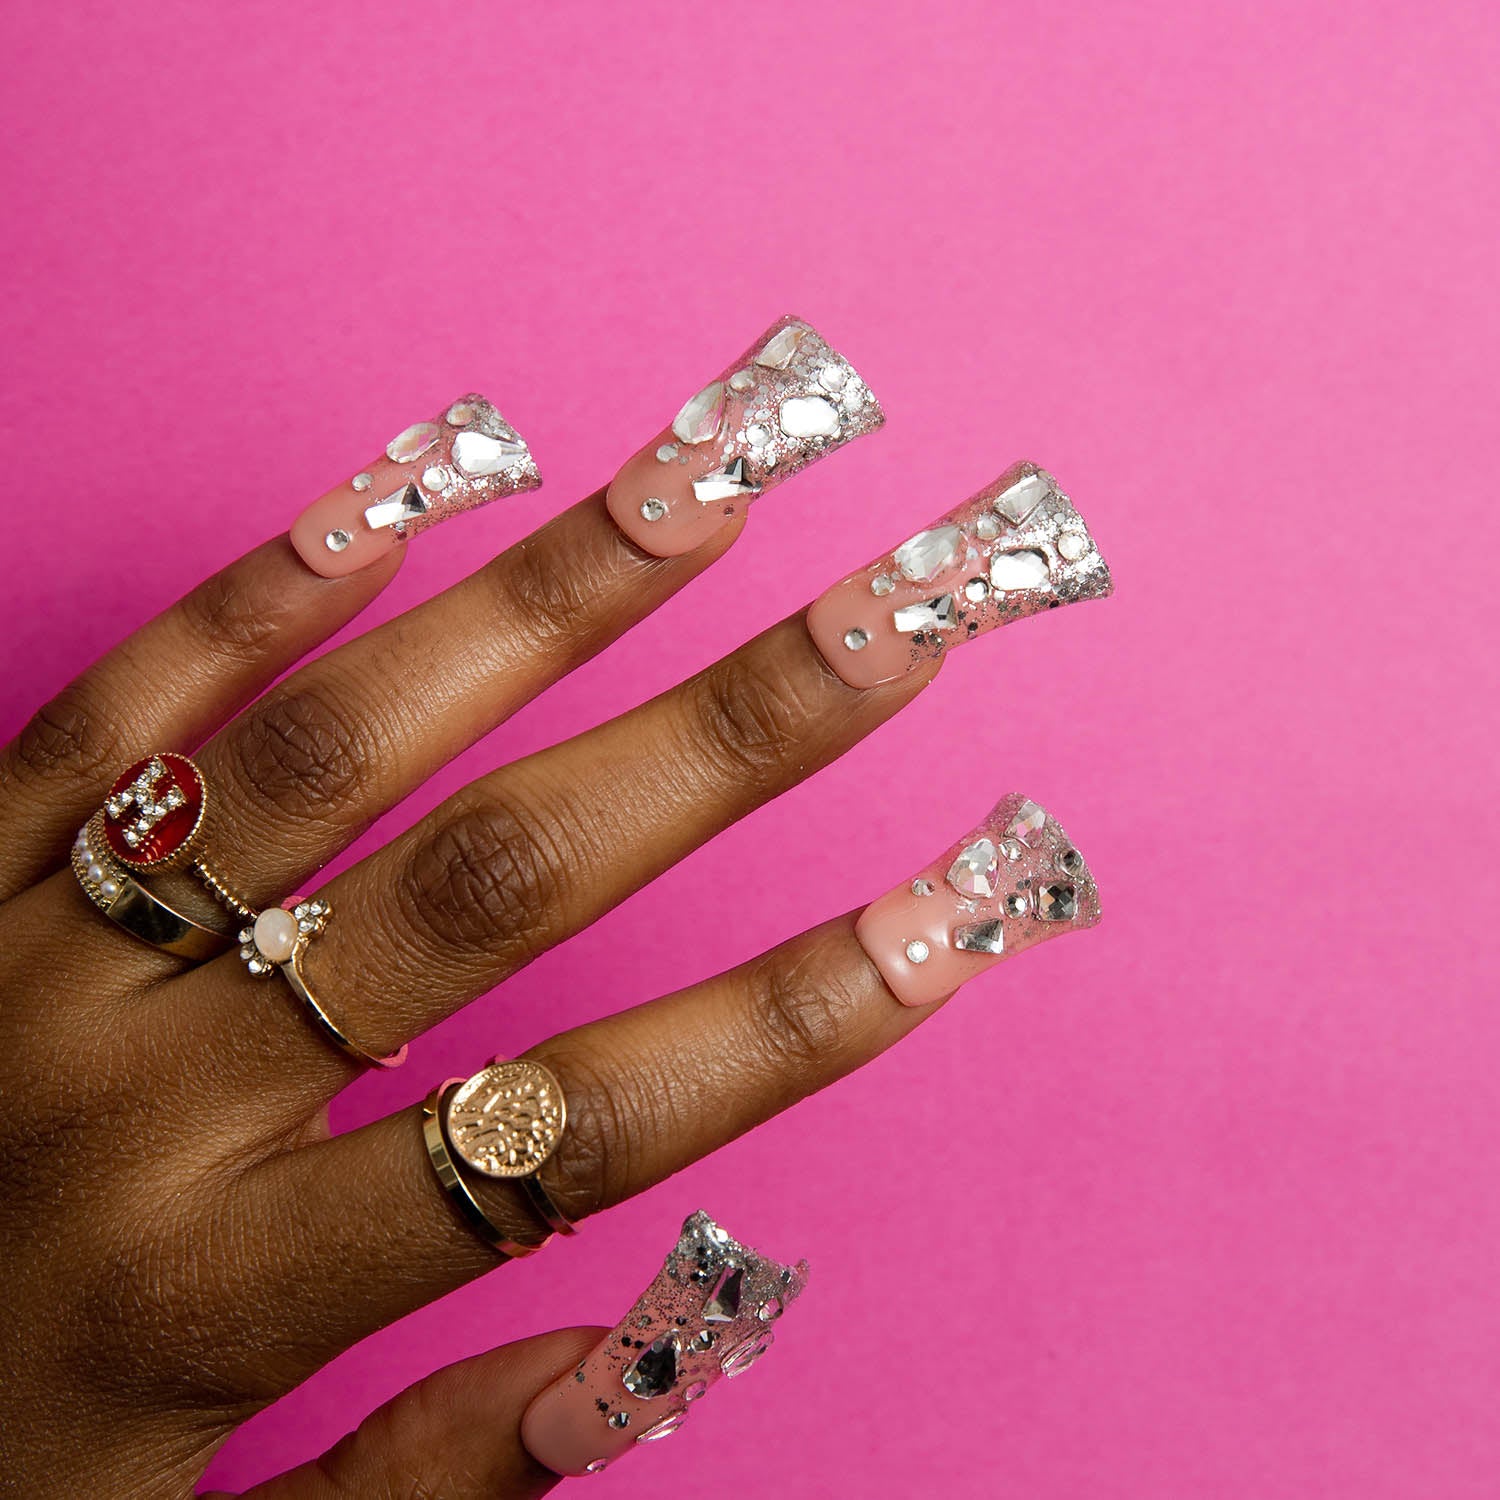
(300, 751)
(546, 588)
(594, 1169)
(236, 617)
(749, 718)
(486, 877)
(801, 1012)
(69, 736)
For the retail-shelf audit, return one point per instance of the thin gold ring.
(451, 1179)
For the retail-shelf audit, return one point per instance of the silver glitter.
(337, 539)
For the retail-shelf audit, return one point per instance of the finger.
(171, 683)
(349, 736)
(456, 1434)
(656, 1087)
(532, 853)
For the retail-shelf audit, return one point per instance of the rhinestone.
(619, 1419)
(460, 414)
(981, 937)
(246, 933)
(412, 443)
(1025, 569)
(653, 509)
(1010, 849)
(854, 398)
(405, 504)
(771, 1309)
(654, 1372)
(1070, 861)
(932, 614)
(856, 639)
(435, 478)
(920, 887)
(477, 453)
(666, 453)
(881, 584)
(973, 872)
(781, 346)
(988, 528)
(746, 1353)
(1057, 903)
(917, 951)
(696, 1391)
(976, 591)
(757, 436)
(832, 377)
(361, 482)
(1027, 823)
(725, 484)
(1072, 545)
(664, 1428)
(724, 1305)
(704, 1340)
(1015, 905)
(701, 415)
(596, 1466)
(259, 966)
(809, 417)
(1023, 497)
(337, 539)
(742, 380)
(929, 553)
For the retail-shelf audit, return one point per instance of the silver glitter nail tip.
(688, 1329)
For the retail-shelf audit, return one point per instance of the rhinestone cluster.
(707, 1314)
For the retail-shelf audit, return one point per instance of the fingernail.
(462, 459)
(781, 406)
(1016, 548)
(1014, 882)
(707, 1315)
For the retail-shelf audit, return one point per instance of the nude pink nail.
(460, 460)
(1014, 882)
(785, 403)
(707, 1316)
(1016, 548)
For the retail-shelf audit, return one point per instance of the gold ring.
(276, 940)
(506, 1122)
(130, 905)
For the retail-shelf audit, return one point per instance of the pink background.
(1200, 1204)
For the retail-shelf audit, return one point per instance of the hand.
(184, 1240)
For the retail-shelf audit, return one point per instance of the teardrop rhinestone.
(1027, 824)
(478, 454)
(654, 1371)
(781, 347)
(973, 872)
(701, 415)
(724, 1305)
(412, 443)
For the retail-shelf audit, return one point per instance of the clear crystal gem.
(976, 591)
(881, 584)
(1072, 545)
(757, 436)
(619, 1419)
(1025, 569)
(666, 453)
(771, 1309)
(653, 509)
(696, 1391)
(746, 1353)
(460, 414)
(1070, 861)
(725, 483)
(781, 346)
(412, 443)
(337, 539)
(988, 528)
(981, 937)
(664, 1428)
(596, 1466)
(920, 887)
(917, 951)
(1015, 904)
(477, 453)
(856, 639)
(973, 872)
(361, 482)
(701, 415)
(809, 417)
(1023, 497)
(654, 1371)
(1057, 903)
(742, 380)
(435, 479)
(724, 1305)
(832, 377)
(405, 504)
(929, 553)
(931, 614)
(1010, 849)
(1027, 824)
